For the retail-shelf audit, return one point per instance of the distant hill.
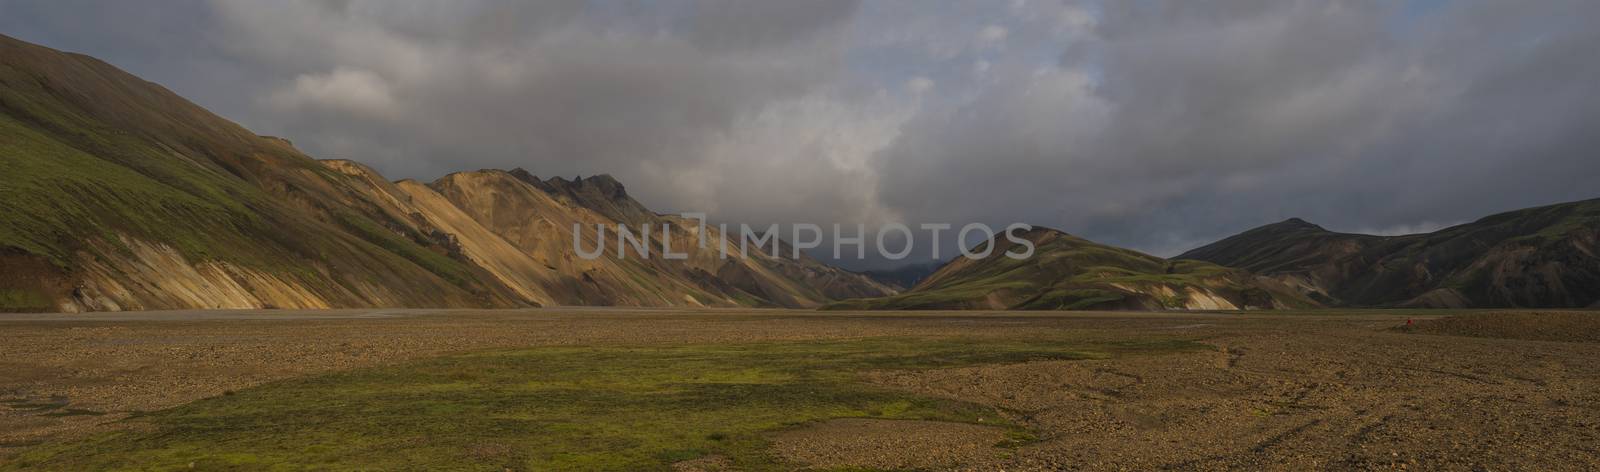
(1537, 257)
(904, 277)
(117, 194)
(1071, 273)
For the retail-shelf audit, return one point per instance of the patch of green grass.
(1017, 438)
(90, 155)
(23, 300)
(1073, 299)
(450, 270)
(53, 195)
(40, 406)
(74, 412)
(54, 408)
(568, 408)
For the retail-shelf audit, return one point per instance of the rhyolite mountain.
(1071, 273)
(117, 194)
(1536, 257)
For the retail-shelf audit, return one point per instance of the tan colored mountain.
(119, 195)
(538, 216)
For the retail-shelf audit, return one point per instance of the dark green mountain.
(1537, 257)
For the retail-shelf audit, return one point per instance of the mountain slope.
(119, 195)
(1068, 272)
(539, 215)
(540, 225)
(1537, 257)
(905, 277)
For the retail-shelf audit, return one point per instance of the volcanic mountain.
(117, 194)
(1072, 273)
(1537, 257)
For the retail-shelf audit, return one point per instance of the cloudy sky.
(1148, 124)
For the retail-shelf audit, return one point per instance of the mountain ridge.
(121, 195)
(1072, 273)
(1534, 257)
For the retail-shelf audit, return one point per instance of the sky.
(1149, 124)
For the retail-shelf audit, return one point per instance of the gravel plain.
(1322, 390)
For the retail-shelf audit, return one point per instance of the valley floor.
(782, 389)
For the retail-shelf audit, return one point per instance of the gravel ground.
(1301, 396)
(1284, 392)
(889, 444)
(1581, 326)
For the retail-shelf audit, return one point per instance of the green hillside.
(1071, 273)
(96, 157)
(1536, 257)
(118, 194)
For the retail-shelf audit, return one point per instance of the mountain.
(1072, 273)
(905, 277)
(1537, 257)
(117, 194)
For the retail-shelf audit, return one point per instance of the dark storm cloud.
(1158, 125)
(642, 90)
(1175, 123)
(589, 94)
(745, 25)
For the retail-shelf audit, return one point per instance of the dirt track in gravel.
(1298, 392)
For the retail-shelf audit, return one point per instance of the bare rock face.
(600, 193)
(537, 217)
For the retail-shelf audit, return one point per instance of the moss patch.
(570, 408)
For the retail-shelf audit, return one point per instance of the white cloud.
(344, 90)
(809, 159)
(992, 36)
(919, 85)
(1074, 19)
